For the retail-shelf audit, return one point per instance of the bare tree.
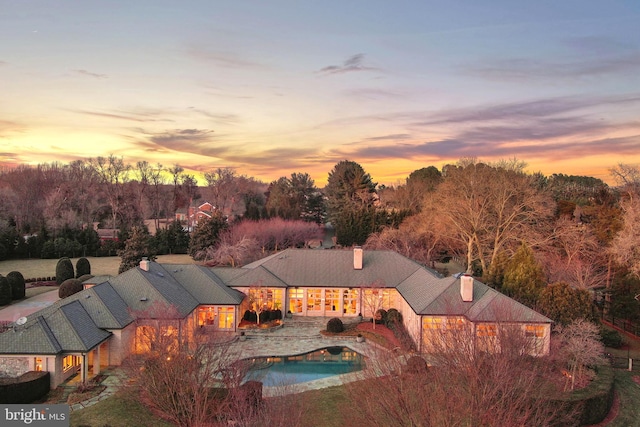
(582, 348)
(113, 174)
(625, 247)
(373, 300)
(487, 208)
(461, 386)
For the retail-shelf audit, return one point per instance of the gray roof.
(333, 268)
(426, 291)
(64, 328)
(204, 285)
(82, 321)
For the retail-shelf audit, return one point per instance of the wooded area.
(565, 245)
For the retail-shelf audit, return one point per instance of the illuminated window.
(534, 331)
(314, 299)
(432, 322)
(265, 298)
(68, 362)
(486, 330)
(145, 336)
(350, 301)
(37, 363)
(296, 296)
(331, 299)
(225, 317)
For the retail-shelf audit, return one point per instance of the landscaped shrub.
(250, 316)
(275, 315)
(381, 317)
(69, 287)
(85, 277)
(27, 388)
(16, 280)
(5, 291)
(593, 402)
(264, 316)
(64, 270)
(334, 325)
(83, 267)
(416, 365)
(610, 338)
(393, 317)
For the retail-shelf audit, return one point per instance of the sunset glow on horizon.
(273, 88)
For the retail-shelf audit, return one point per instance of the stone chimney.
(144, 264)
(466, 287)
(357, 258)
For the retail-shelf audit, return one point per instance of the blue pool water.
(287, 370)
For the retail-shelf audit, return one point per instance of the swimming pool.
(318, 364)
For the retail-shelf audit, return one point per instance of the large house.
(97, 327)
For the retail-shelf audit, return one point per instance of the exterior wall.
(412, 321)
(13, 366)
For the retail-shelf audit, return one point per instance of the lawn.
(32, 268)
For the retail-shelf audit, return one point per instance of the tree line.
(553, 242)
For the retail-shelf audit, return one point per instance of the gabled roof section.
(34, 337)
(333, 268)
(203, 284)
(441, 297)
(141, 290)
(258, 276)
(65, 328)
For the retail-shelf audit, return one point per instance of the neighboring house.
(96, 327)
(192, 215)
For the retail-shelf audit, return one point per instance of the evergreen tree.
(16, 280)
(524, 278)
(350, 196)
(207, 234)
(64, 270)
(564, 304)
(136, 247)
(5, 291)
(83, 267)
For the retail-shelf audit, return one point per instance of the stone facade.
(11, 367)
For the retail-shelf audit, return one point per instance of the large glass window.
(332, 299)
(350, 301)
(225, 317)
(206, 316)
(296, 297)
(314, 300)
(69, 362)
(265, 298)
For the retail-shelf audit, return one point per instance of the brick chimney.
(357, 258)
(144, 264)
(466, 287)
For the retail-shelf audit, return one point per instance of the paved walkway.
(297, 336)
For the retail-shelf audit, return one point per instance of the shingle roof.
(66, 328)
(204, 285)
(334, 268)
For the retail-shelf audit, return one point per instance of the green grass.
(629, 394)
(325, 407)
(31, 268)
(120, 410)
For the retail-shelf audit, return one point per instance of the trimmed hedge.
(27, 388)
(69, 287)
(83, 267)
(5, 291)
(18, 289)
(64, 270)
(334, 325)
(593, 402)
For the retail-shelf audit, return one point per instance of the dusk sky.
(276, 87)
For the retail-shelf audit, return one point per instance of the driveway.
(19, 309)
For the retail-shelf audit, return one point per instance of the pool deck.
(295, 336)
(298, 336)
